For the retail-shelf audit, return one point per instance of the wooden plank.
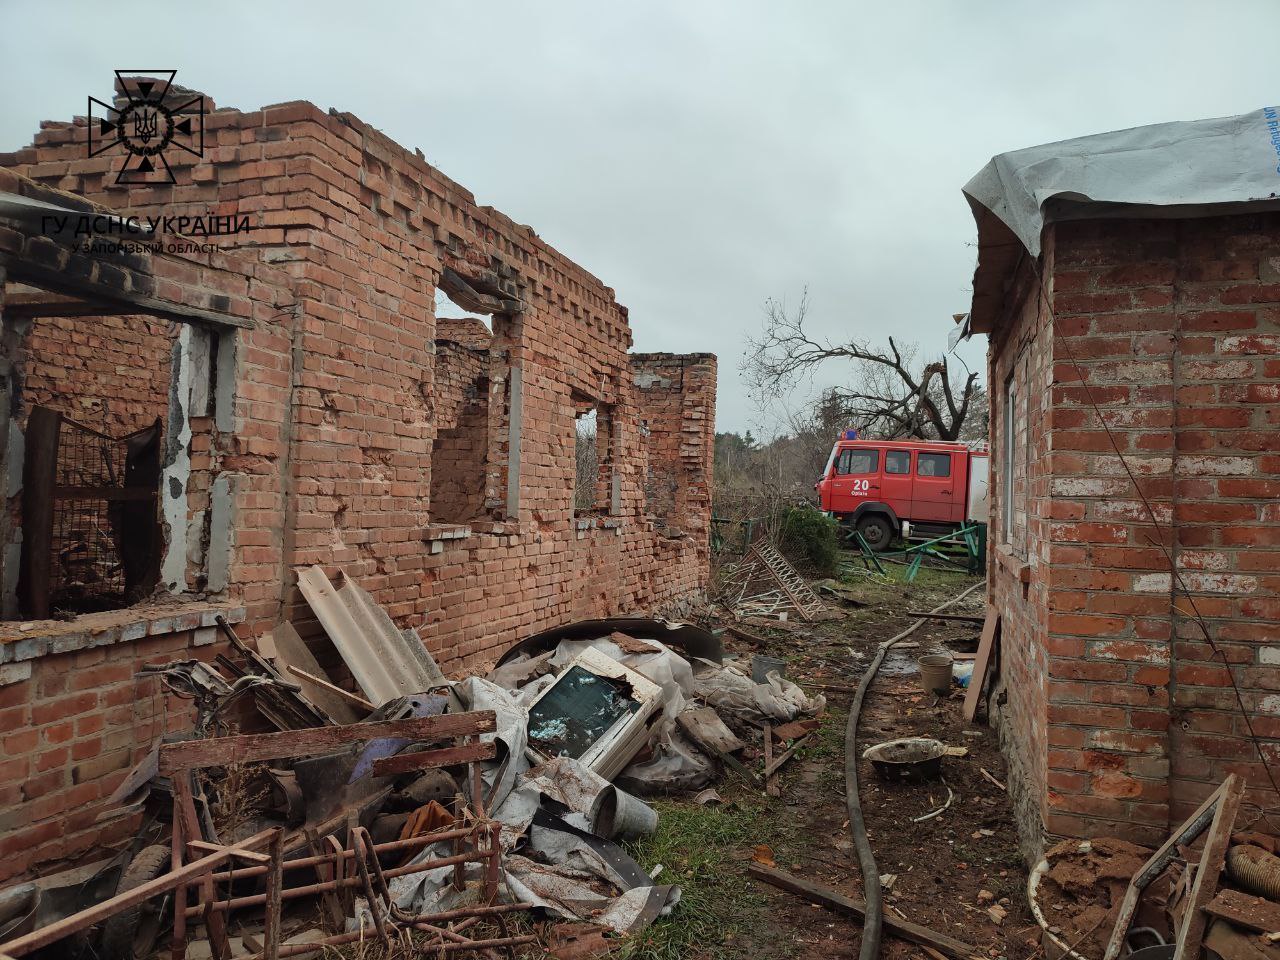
(990, 633)
(253, 747)
(122, 901)
(427, 759)
(841, 904)
(1191, 828)
(346, 696)
(770, 785)
(1252, 913)
(119, 301)
(772, 768)
(1194, 920)
(293, 654)
(709, 747)
(960, 617)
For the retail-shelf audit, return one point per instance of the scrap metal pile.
(299, 814)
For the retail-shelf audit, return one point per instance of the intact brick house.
(191, 426)
(1138, 271)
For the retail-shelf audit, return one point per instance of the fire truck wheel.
(877, 531)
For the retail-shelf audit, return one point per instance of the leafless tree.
(586, 462)
(892, 394)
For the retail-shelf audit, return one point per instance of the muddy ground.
(949, 870)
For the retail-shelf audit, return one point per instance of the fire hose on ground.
(874, 920)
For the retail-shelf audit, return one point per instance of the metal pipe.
(389, 847)
(874, 919)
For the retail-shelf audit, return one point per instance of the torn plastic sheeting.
(730, 691)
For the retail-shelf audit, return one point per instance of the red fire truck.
(890, 488)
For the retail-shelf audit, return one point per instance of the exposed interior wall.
(460, 452)
(1171, 328)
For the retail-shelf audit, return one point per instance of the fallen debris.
(832, 900)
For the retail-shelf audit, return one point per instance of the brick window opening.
(115, 472)
(469, 458)
(593, 484)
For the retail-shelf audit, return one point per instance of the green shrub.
(810, 539)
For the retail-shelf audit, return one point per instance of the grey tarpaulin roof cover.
(1184, 169)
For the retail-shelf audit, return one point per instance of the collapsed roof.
(1184, 169)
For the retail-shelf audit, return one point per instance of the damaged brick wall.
(74, 714)
(1175, 327)
(460, 454)
(326, 455)
(109, 373)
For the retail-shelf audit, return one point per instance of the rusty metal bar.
(390, 846)
(293, 893)
(294, 949)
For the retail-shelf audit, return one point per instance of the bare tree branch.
(890, 395)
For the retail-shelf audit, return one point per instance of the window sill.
(1013, 564)
(31, 639)
(584, 524)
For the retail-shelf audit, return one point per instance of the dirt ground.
(949, 870)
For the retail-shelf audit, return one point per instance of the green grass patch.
(702, 849)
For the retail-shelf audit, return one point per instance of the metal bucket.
(936, 671)
(617, 815)
(762, 666)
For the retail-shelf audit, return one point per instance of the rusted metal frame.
(327, 869)
(434, 919)
(186, 835)
(391, 846)
(376, 897)
(108, 908)
(294, 893)
(291, 744)
(1209, 812)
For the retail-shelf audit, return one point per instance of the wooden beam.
(130, 898)
(961, 617)
(116, 300)
(832, 900)
(427, 759)
(253, 747)
(1190, 938)
(354, 699)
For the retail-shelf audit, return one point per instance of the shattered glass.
(577, 712)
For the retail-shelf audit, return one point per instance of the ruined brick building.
(287, 396)
(1130, 288)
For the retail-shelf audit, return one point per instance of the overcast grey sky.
(696, 156)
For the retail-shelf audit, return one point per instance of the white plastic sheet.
(1185, 167)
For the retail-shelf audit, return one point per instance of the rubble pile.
(413, 803)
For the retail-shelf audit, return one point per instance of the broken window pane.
(577, 712)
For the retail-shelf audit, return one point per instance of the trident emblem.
(144, 125)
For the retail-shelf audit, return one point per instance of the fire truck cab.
(884, 489)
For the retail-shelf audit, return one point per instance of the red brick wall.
(1175, 327)
(108, 373)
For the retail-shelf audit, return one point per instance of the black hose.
(874, 919)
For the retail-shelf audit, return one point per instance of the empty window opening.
(593, 484)
(1008, 452)
(472, 401)
(109, 505)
